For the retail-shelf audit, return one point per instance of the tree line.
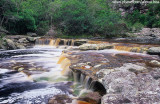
(72, 17)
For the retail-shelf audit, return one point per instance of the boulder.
(10, 44)
(20, 46)
(32, 34)
(23, 40)
(154, 51)
(126, 87)
(154, 63)
(91, 97)
(95, 46)
(31, 39)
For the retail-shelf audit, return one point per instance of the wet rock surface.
(92, 98)
(128, 78)
(154, 51)
(60, 99)
(95, 46)
(12, 42)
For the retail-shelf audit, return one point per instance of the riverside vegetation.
(76, 18)
(122, 70)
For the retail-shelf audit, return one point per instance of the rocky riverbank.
(12, 42)
(127, 77)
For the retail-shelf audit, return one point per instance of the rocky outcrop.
(146, 36)
(32, 34)
(10, 44)
(131, 88)
(154, 51)
(95, 46)
(23, 40)
(127, 77)
(32, 39)
(154, 63)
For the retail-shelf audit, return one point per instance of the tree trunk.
(2, 21)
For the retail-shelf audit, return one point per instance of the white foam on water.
(47, 59)
(2, 71)
(31, 96)
(17, 78)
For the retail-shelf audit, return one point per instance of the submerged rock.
(91, 98)
(60, 99)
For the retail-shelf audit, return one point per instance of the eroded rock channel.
(67, 71)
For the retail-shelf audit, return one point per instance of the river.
(31, 76)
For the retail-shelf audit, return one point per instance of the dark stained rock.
(91, 97)
(60, 99)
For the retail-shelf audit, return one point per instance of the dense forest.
(74, 17)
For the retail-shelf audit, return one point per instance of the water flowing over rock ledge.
(119, 76)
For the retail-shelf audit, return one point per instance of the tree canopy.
(72, 17)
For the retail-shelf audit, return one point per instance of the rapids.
(36, 76)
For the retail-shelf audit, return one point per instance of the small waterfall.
(62, 57)
(87, 82)
(72, 42)
(92, 85)
(137, 49)
(65, 64)
(76, 76)
(51, 43)
(57, 41)
(70, 74)
(65, 42)
(82, 77)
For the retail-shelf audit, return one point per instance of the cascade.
(76, 76)
(72, 42)
(57, 41)
(65, 66)
(51, 43)
(62, 57)
(82, 77)
(87, 82)
(65, 42)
